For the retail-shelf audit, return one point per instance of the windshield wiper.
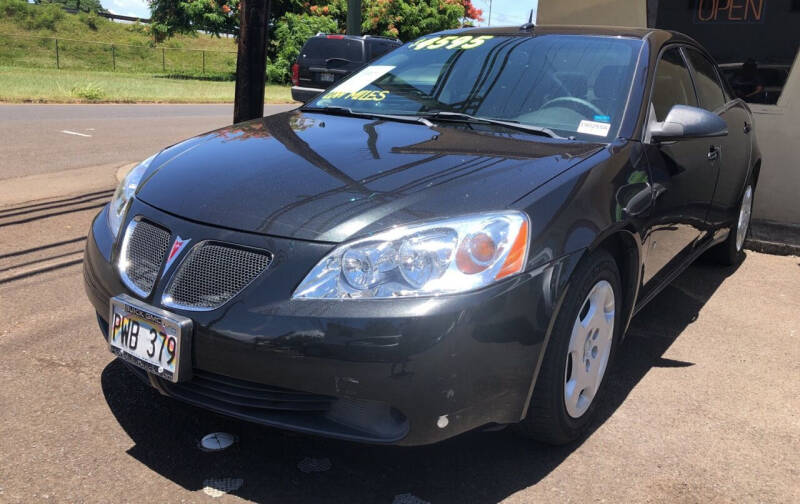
(347, 111)
(445, 115)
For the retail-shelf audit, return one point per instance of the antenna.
(529, 26)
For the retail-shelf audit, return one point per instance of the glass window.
(323, 48)
(706, 81)
(756, 83)
(673, 84)
(573, 84)
(379, 48)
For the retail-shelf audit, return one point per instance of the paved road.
(703, 404)
(49, 138)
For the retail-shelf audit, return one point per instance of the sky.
(137, 8)
(507, 12)
(504, 12)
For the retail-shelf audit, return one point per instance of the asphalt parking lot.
(703, 404)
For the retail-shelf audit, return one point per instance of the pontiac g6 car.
(455, 237)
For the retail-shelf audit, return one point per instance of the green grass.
(79, 26)
(185, 69)
(28, 36)
(76, 86)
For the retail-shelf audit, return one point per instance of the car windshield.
(573, 85)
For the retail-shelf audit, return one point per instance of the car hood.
(329, 178)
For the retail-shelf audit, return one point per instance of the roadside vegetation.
(171, 49)
(86, 41)
(21, 19)
(293, 21)
(135, 70)
(75, 86)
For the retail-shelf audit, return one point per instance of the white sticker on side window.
(594, 128)
(363, 79)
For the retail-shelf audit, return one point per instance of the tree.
(291, 32)
(188, 16)
(405, 19)
(292, 22)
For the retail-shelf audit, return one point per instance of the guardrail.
(62, 53)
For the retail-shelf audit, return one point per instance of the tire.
(730, 252)
(554, 416)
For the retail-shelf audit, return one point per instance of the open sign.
(729, 11)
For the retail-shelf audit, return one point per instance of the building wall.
(593, 12)
(778, 130)
(776, 213)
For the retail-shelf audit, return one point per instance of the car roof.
(658, 35)
(341, 36)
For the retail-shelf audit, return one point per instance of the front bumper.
(402, 371)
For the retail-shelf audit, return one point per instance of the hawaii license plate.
(150, 338)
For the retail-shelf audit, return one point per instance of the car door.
(683, 174)
(734, 149)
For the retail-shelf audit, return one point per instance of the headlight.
(438, 257)
(124, 193)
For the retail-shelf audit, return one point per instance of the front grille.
(240, 395)
(143, 250)
(212, 274)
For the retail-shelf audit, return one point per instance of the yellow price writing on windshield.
(450, 42)
(363, 95)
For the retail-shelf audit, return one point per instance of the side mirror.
(684, 121)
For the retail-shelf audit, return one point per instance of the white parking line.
(68, 132)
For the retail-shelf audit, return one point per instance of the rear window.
(379, 48)
(319, 48)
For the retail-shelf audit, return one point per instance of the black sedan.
(455, 237)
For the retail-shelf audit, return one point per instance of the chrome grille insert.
(212, 274)
(143, 250)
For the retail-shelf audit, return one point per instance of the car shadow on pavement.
(479, 467)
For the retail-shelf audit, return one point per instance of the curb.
(123, 170)
(772, 237)
(773, 248)
(43, 186)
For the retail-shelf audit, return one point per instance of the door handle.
(713, 152)
(747, 127)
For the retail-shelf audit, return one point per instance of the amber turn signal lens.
(515, 261)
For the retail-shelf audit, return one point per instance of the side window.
(673, 84)
(706, 80)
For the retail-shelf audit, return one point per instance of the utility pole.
(354, 17)
(251, 61)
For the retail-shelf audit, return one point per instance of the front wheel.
(580, 349)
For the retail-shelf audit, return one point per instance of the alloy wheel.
(744, 217)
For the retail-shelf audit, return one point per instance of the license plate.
(153, 339)
(326, 77)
